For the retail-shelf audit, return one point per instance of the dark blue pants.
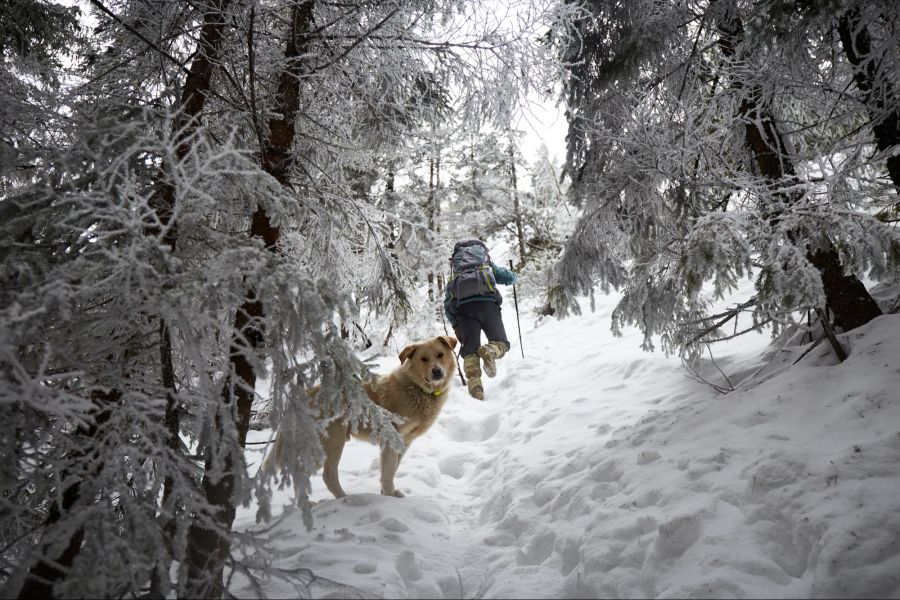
(474, 317)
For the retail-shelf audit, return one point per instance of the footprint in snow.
(344, 535)
(606, 472)
(676, 536)
(649, 498)
(544, 494)
(543, 420)
(464, 431)
(539, 549)
(452, 466)
(602, 491)
(571, 556)
(632, 368)
(364, 568)
(641, 435)
(359, 499)
(648, 456)
(394, 525)
(373, 516)
(408, 566)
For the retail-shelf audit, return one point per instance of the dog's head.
(430, 364)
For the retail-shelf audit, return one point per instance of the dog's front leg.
(390, 460)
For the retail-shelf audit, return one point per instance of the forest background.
(196, 195)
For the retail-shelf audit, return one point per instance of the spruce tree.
(705, 146)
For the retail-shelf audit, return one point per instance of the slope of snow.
(594, 469)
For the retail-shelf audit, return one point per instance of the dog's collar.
(437, 392)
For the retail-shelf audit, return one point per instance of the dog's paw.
(395, 493)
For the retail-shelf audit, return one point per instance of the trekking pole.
(516, 302)
(458, 368)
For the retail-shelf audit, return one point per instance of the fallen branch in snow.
(694, 374)
(810, 349)
(723, 318)
(300, 578)
(829, 332)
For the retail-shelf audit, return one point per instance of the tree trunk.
(473, 175)
(210, 546)
(44, 575)
(517, 209)
(169, 504)
(429, 210)
(186, 122)
(187, 118)
(847, 297)
(433, 211)
(878, 95)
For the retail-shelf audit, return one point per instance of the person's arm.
(504, 276)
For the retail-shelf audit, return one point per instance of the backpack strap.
(488, 275)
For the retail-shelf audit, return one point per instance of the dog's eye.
(424, 359)
(440, 355)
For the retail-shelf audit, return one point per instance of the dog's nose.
(437, 373)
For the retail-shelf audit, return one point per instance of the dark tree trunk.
(209, 546)
(517, 209)
(847, 297)
(187, 119)
(433, 211)
(186, 122)
(159, 579)
(878, 95)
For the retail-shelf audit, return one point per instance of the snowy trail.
(594, 469)
(463, 491)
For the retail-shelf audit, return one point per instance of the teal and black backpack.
(471, 272)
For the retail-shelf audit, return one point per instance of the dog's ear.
(408, 352)
(448, 341)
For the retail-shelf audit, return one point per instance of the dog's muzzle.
(437, 373)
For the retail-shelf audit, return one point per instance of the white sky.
(543, 122)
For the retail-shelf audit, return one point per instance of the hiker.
(472, 305)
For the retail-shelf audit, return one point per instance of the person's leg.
(472, 369)
(492, 322)
(468, 328)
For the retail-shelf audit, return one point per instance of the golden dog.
(415, 391)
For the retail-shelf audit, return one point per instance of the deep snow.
(594, 469)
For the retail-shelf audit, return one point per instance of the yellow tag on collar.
(437, 392)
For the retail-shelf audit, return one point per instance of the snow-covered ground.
(594, 469)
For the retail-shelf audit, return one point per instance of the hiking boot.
(489, 353)
(475, 388)
(472, 366)
(472, 369)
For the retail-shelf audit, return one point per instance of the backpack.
(471, 271)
